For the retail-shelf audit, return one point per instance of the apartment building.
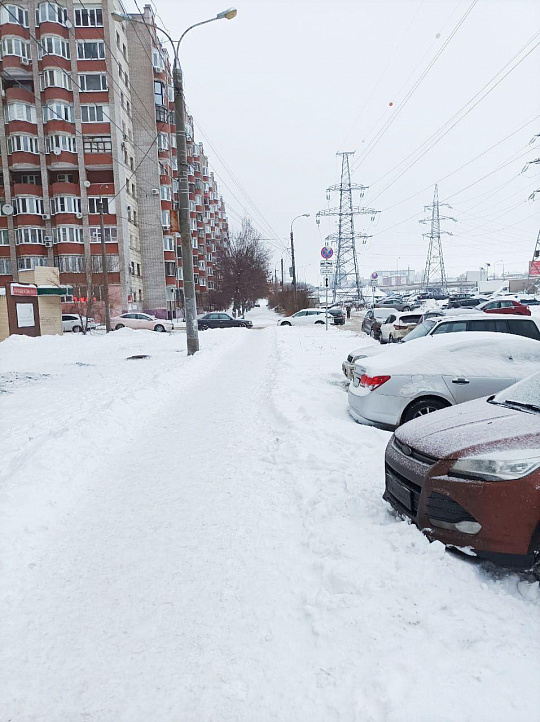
(89, 126)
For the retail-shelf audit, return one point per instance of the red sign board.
(534, 268)
(18, 290)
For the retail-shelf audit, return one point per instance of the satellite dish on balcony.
(7, 209)
(56, 151)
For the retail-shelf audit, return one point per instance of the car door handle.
(460, 380)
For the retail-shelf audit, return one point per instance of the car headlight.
(502, 466)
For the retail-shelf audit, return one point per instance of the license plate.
(401, 493)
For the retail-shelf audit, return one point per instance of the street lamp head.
(306, 215)
(228, 14)
(120, 17)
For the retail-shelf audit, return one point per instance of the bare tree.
(243, 269)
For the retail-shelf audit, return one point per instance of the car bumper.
(422, 489)
(348, 369)
(375, 407)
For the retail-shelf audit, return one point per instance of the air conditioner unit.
(46, 217)
(25, 61)
(155, 191)
(48, 244)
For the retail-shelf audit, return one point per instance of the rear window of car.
(524, 328)
(497, 326)
(410, 319)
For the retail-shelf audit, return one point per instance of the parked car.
(75, 323)
(396, 304)
(470, 477)
(458, 296)
(373, 320)
(306, 317)
(338, 317)
(222, 320)
(475, 321)
(466, 302)
(415, 379)
(139, 320)
(504, 306)
(397, 326)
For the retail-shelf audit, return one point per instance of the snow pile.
(204, 539)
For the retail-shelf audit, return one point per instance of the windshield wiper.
(520, 405)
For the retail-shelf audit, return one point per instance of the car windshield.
(525, 394)
(421, 330)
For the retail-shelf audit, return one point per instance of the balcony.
(162, 116)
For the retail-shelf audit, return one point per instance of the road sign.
(326, 264)
(374, 276)
(327, 252)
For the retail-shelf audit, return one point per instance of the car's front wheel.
(406, 308)
(159, 328)
(285, 323)
(422, 407)
(319, 323)
(119, 326)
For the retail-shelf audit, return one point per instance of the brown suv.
(469, 475)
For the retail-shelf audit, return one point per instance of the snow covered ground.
(204, 539)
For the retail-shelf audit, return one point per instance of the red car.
(504, 306)
(469, 476)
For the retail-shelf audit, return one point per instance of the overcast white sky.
(282, 87)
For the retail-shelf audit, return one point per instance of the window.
(210, 272)
(175, 186)
(211, 285)
(64, 178)
(196, 166)
(4, 237)
(90, 18)
(166, 219)
(28, 263)
(14, 14)
(194, 243)
(159, 93)
(61, 142)
(67, 234)
(94, 113)
(5, 266)
(138, 269)
(170, 268)
(93, 205)
(50, 12)
(70, 264)
(58, 111)
(170, 93)
(56, 78)
(168, 243)
(202, 265)
(30, 179)
(90, 50)
(111, 234)
(23, 143)
(33, 206)
(93, 81)
(523, 328)
(54, 45)
(180, 274)
(157, 60)
(21, 111)
(16, 46)
(97, 144)
(202, 281)
(65, 204)
(113, 264)
(29, 235)
(163, 141)
(196, 278)
(450, 327)
(192, 209)
(174, 162)
(165, 193)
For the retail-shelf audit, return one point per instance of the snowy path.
(205, 541)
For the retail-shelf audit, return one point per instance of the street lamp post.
(302, 215)
(190, 302)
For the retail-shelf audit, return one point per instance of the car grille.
(443, 508)
(414, 490)
(414, 453)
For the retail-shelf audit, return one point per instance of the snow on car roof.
(479, 353)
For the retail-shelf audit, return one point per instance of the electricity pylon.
(346, 275)
(533, 266)
(434, 272)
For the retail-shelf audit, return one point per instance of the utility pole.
(104, 268)
(434, 272)
(302, 215)
(190, 301)
(282, 272)
(346, 272)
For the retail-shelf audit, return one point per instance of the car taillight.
(400, 328)
(372, 382)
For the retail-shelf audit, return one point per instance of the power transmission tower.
(434, 272)
(346, 277)
(534, 266)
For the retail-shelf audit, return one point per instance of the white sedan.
(414, 379)
(306, 317)
(135, 319)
